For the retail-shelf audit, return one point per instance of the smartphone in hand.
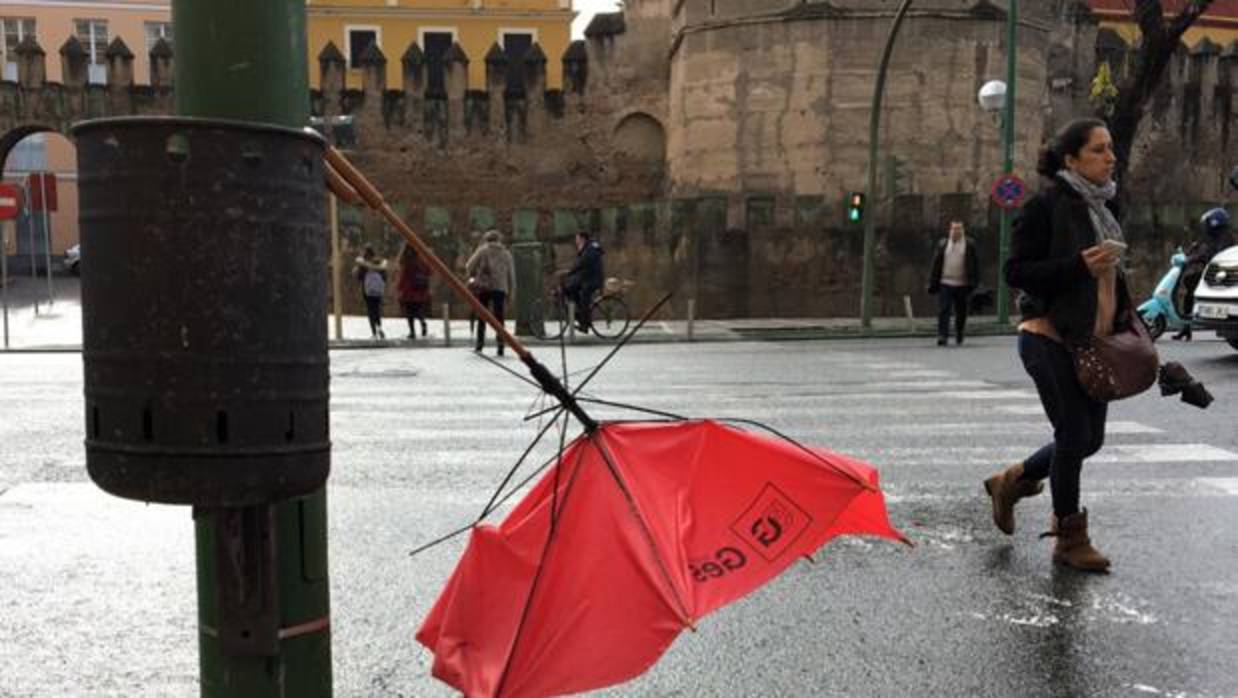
(1113, 247)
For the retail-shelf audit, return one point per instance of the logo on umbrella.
(771, 523)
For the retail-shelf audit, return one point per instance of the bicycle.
(610, 315)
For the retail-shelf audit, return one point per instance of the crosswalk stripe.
(1228, 485)
(1021, 409)
(975, 455)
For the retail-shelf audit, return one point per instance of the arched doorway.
(42, 164)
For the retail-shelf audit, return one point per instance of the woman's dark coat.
(1045, 263)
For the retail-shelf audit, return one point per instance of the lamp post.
(874, 132)
(999, 96)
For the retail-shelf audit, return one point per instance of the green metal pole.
(874, 133)
(245, 60)
(1003, 240)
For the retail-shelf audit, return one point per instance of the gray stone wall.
(711, 143)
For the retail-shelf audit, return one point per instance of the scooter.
(1159, 312)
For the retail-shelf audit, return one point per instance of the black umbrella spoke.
(635, 408)
(519, 462)
(440, 540)
(644, 527)
(816, 456)
(519, 376)
(541, 566)
(623, 342)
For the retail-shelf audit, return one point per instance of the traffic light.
(855, 207)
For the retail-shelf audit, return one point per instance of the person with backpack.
(413, 289)
(494, 275)
(371, 272)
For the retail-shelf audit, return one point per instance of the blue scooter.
(1160, 312)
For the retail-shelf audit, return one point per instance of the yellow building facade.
(476, 25)
(139, 23)
(1219, 24)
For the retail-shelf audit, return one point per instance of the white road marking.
(1228, 485)
(1021, 409)
(905, 375)
(989, 428)
(987, 395)
(976, 455)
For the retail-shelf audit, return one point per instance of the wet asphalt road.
(97, 594)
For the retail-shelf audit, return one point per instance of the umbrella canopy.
(642, 528)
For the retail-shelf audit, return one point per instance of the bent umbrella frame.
(479, 655)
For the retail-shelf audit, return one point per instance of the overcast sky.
(586, 10)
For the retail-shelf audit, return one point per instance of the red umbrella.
(646, 528)
(639, 530)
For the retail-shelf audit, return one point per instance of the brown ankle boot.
(1005, 488)
(1073, 547)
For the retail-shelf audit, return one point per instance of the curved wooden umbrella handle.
(349, 184)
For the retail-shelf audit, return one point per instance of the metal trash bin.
(204, 326)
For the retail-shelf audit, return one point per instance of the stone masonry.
(711, 143)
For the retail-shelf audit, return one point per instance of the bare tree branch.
(1158, 41)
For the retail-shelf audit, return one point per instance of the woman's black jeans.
(374, 311)
(495, 301)
(1078, 420)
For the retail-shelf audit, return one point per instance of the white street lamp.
(992, 96)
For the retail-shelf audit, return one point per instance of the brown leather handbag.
(1120, 365)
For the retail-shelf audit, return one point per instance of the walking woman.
(371, 272)
(1071, 289)
(494, 272)
(413, 289)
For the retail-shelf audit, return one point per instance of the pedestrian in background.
(494, 273)
(371, 272)
(413, 289)
(584, 278)
(955, 274)
(1071, 290)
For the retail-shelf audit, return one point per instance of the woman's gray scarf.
(1103, 222)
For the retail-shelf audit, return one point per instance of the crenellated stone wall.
(711, 143)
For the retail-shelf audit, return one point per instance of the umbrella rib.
(519, 377)
(635, 408)
(849, 475)
(500, 502)
(537, 576)
(615, 350)
(623, 342)
(554, 495)
(520, 461)
(440, 540)
(684, 616)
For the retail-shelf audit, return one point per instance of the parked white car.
(1216, 296)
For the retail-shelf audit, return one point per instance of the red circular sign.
(1008, 191)
(10, 201)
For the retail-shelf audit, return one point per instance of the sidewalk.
(59, 327)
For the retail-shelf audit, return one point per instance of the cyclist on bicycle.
(584, 278)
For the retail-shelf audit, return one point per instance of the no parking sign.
(10, 201)
(1008, 191)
